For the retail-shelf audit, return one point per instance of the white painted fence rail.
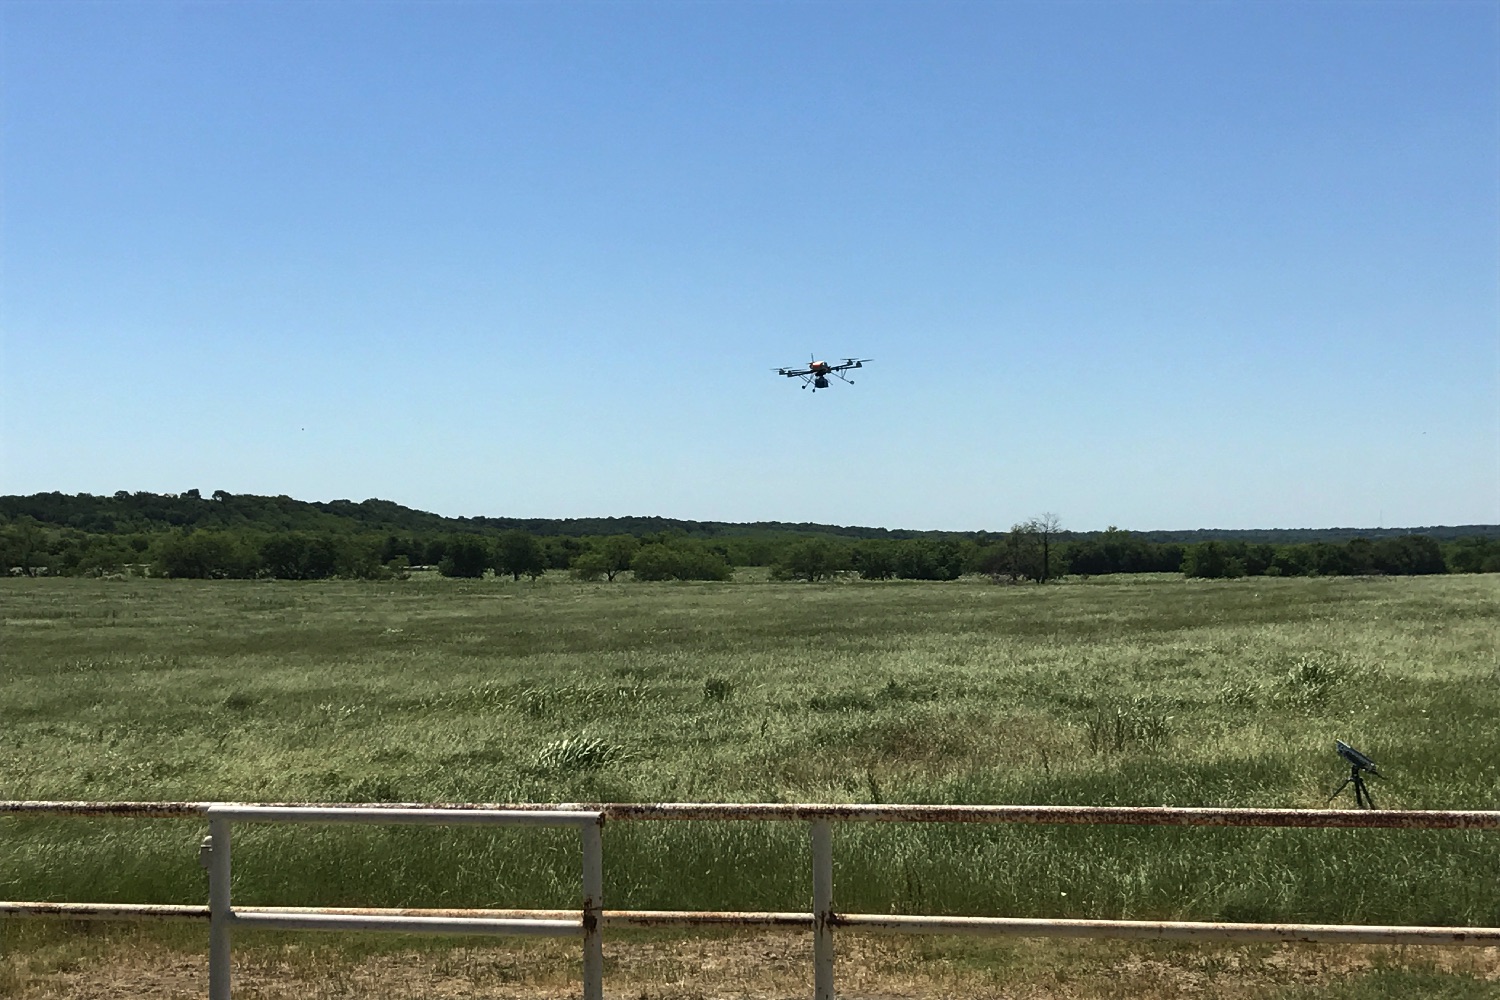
(590, 919)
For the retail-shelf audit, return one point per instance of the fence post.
(593, 910)
(218, 908)
(822, 859)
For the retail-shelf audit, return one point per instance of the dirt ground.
(122, 964)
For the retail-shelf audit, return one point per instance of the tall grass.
(1110, 692)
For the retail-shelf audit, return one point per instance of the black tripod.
(1358, 763)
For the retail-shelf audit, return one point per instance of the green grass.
(1113, 691)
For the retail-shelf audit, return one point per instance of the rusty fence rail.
(590, 919)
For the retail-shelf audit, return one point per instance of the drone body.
(816, 373)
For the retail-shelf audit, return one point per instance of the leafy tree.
(1212, 561)
(1292, 560)
(616, 552)
(358, 558)
(1474, 555)
(517, 552)
(99, 554)
(1358, 558)
(923, 559)
(1409, 555)
(654, 562)
(205, 555)
(679, 561)
(756, 550)
(589, 566)
(874, 558)
(1257, 558)
(1015, 557)
(434, 552)
(21, 545)
(299, 556)
(465, 556)
(1326, 559)
(1117, 551)
(559, 552)
(812, 560)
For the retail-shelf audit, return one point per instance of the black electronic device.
(1359, 764)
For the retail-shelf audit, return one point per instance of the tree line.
(1034, 551)
(124, 512)
(223, 535)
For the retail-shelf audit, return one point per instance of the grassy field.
(1109, 691)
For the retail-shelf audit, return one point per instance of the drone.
(1357, 762)
(816, 373)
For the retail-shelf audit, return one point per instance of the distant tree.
(297, 555)
(1474, 555)
(95, 555)
(925, 559)
(359, 558)
(466, 556)
(681, 560)
(1028, 551)
(653, 563)
(589, 566)
(755, 550)
(1292, 560)
(1018, 556)
(1046, 529)
(433, 552)
(1115, 551)
(874, 558)
(21, 545)
(205, 555)
(1358, 558)
(1409, 555)
(559, 551)
(812, 560)
(1258, 558)
(517, 552)
(1211, 561)
(617, 552)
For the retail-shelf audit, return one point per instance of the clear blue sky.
(1154, 265)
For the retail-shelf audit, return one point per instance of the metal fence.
(590, 920)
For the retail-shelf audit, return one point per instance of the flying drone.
(816, 373)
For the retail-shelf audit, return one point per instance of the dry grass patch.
(134, 964)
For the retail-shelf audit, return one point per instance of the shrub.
(679, 562)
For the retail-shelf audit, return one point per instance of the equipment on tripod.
(1358, 764)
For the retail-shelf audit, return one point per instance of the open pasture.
(1109, 691)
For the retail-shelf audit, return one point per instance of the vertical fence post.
(822, 860)
(218, 908)
(593, 910)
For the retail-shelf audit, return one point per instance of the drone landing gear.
(1361, 793)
